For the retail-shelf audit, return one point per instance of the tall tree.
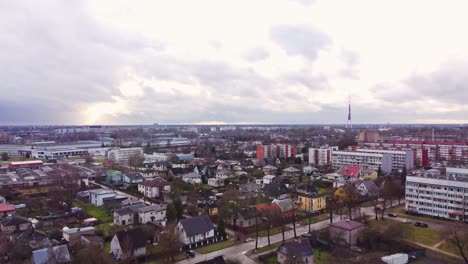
(4, 156)
(169, 243)
(457, 234)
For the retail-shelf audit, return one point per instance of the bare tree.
(457, 234)
(169, 243)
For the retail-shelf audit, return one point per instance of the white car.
(406, 221)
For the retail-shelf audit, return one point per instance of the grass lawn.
(426, 236)
(320, 256)
(316, 219)
(107, 229)
(205, 187)
(217, 246)
(94, 211)
(267, 248)
(107, 246)
(273, 231)
(271, 260)
(450, 248)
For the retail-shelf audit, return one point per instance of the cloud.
(256, 54)
(95, 62)
(300, 40)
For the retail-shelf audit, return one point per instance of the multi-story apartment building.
(321, 156)
(121, 155)
(365, 160)
(369, 136)
(276, 151)
(456, 152)
(438, 195)
(400, 158)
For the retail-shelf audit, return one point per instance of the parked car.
(420, 224)
(190, 253)
(306, 234)
(392, 215)
(406, 221)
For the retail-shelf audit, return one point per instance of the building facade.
(276, 151)
(370, 161)
(121, 155)
(438, 196)
(321, 156)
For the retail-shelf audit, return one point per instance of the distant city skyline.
(233, 62)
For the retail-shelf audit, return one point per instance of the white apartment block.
(400, 158)
(321, 156)
(365, 160)
(121, 155)
(155, 157)
(438, 196)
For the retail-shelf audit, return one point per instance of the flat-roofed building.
(433, 194)
(365, 160)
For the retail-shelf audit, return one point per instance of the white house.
(154, 188)
(192, 178)
(152, 214)
(122, 249)
(367, 187)
(97, 196)
(195, 229)
(223, 174)
(124, 216)
(267, 179)
(215, 182)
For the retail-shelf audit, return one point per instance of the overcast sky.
(204, 62)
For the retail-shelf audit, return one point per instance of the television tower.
(349, 123)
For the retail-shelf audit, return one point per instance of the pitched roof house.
(195, 229)
(128, 243)
(297, 250)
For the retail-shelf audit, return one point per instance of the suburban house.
(308, 200)
(155, 214)
(247, 217)
(350, 173)
(192, 178)
(195, 230)
(57, 254)
(223, 174)
(249, 190)
(295, 251)
(367, 187)
(14, 223)
(291, 172)
(346, 232)
(309, 170)
(73, 235)
(267, 179)
(154, 188)
(269, 169)
(275, 190)
(114, 177)
(6, 209)
(216, 182)
(97, 196)
(132, 179)
(92, 241)
(127, 215)
(128, 243)
(286, 207)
